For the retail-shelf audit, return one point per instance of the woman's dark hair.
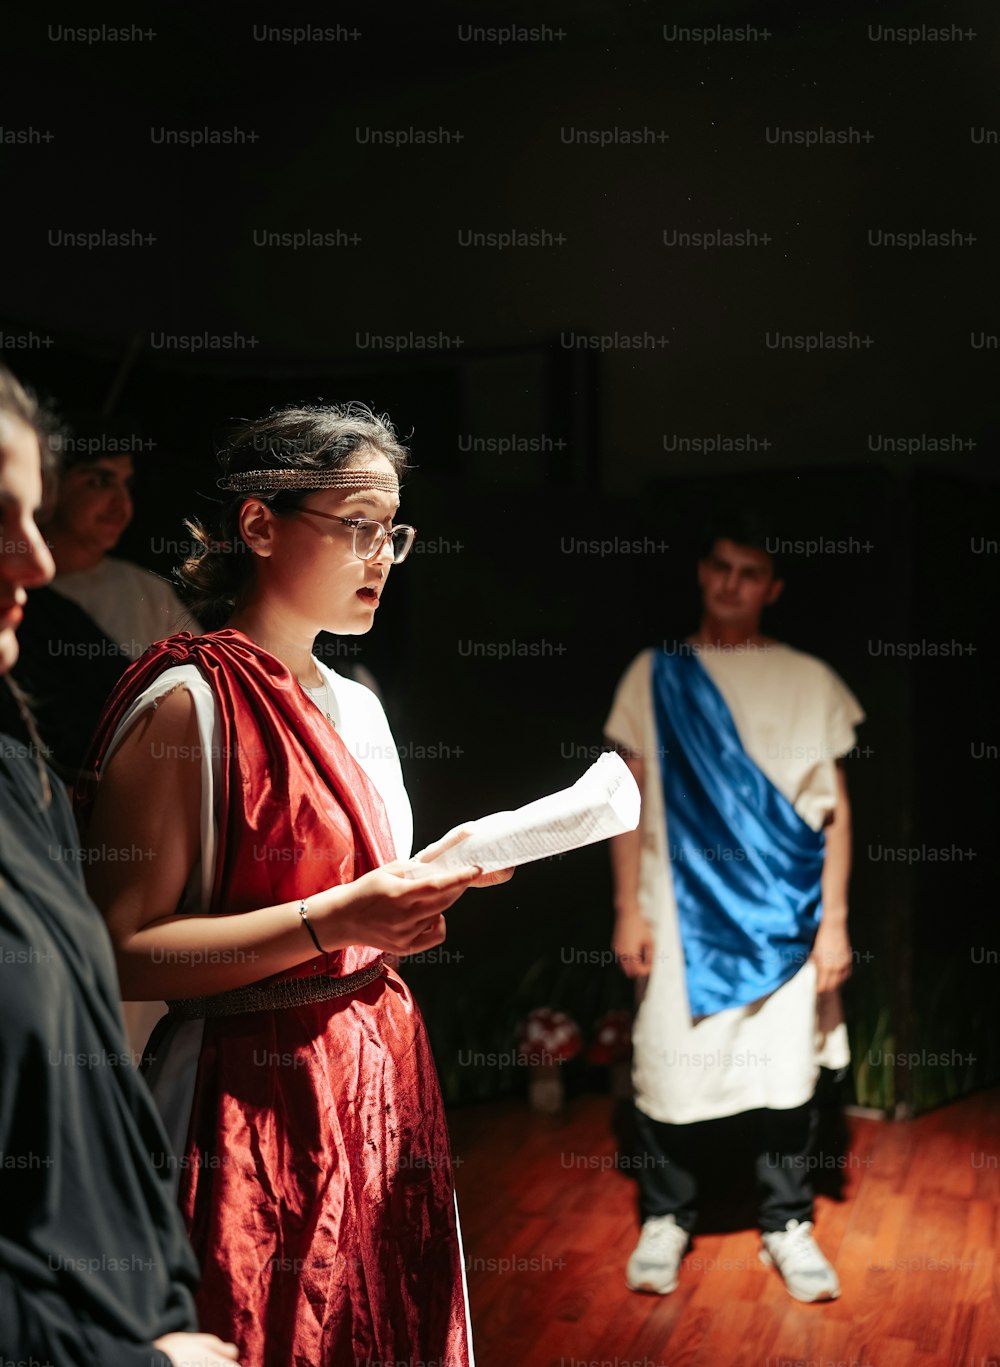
(298, 437)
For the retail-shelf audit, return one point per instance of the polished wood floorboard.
(549, 1219)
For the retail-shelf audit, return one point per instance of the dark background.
(501, 561)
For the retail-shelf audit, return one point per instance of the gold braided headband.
(249, 481)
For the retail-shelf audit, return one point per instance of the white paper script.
(602, 803)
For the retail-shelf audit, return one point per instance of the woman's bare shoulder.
(165, 730)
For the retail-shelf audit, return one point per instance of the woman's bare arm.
(142, 842)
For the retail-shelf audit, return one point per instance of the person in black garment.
(80, 632)
(95, 1268)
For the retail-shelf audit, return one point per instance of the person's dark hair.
(744, 527)
(298, 437)
(88, 437)
(19, 404)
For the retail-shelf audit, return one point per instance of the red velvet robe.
(316, 1180)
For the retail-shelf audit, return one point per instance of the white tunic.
(132, 606)
(795, 718)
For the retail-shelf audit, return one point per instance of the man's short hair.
(744, 527)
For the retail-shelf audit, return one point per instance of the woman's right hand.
(197, 1350)
(398, 914)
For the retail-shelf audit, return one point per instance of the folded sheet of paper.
(602, 803)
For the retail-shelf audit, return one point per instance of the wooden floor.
(549, 1219)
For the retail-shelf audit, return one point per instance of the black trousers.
(667, 1157)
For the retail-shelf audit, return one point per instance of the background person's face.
(737, 583)
(94, 503)
(25, 561)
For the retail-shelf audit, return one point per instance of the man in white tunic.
(774, 726)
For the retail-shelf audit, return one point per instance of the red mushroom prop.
(548, 1038)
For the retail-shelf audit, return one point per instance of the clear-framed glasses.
(370, 536)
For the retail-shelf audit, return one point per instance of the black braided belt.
(274, 996)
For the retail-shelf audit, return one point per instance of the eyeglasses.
(370, 536)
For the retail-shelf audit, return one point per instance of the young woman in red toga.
(245, 814)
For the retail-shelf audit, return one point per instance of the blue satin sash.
(746, 868)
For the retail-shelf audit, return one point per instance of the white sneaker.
(795, 1253)
(656, 1258)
